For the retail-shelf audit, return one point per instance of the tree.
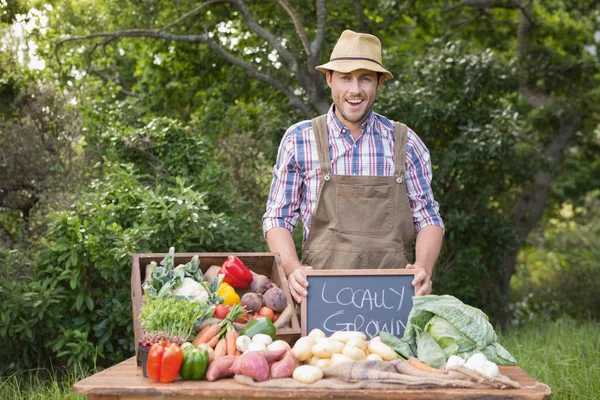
(552, 82)
(37, 130)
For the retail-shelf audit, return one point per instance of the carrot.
(238, 353)
(213, 342)
(230, 338)
(202, 332)
(422, 366)
(221, 348)
(205, 335)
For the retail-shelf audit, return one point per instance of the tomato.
(221, 311)
(266, 312)
(243, 318)
(276, 314)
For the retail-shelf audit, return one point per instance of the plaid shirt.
(296, 174)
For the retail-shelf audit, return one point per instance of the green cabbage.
(441, 326)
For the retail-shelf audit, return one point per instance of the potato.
(323, 363)
(339, 359)
(374, 357)
(354, 352)
(383, 350)
(307, 374)
(358, 342)
(278, 345)
(317, 334)
(303, 348)
(344, 336)
(314, 360)
(325, 348)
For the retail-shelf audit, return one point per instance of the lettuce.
(441, 326)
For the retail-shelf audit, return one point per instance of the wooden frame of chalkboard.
(367, 300)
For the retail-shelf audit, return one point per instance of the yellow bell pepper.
(228, 292)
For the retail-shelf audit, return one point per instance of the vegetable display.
(441, 326)
(164, 361)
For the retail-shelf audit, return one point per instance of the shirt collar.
(337, 128)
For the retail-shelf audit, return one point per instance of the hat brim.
(346, 66)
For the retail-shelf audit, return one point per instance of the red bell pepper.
(236, 273)
(164, 361)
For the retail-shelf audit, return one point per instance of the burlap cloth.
(397, 374)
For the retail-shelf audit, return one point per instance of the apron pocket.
(364, 209)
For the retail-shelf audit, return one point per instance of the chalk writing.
(369, 304)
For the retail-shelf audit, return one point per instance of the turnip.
(275, 299)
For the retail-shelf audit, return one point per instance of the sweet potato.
(272, 355)
(284, 368)
(220, 368)
(255, 366)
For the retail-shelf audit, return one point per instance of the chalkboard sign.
(366, 300)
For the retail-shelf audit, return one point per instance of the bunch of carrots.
(222, 335)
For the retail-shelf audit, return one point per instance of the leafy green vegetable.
(440, 326)
(174, 316)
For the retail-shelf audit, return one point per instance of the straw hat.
(356, 51)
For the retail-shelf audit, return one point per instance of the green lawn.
(564, 356)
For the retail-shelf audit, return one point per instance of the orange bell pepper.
(164, 361)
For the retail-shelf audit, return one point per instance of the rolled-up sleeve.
(285, 195)
(425, 210)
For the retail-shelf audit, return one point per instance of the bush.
(558, 276)
(76, 304)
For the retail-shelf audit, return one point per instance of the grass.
(565, 356)
(28, 386)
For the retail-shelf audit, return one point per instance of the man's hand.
(422, 281)
(298, 284)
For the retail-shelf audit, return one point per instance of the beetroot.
(260, 283)
(252, 301)
(275, 299)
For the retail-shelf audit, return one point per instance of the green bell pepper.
(195, 362)
(259, 325)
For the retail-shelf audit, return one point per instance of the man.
(360, 183)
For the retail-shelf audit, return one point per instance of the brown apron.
(360, 221)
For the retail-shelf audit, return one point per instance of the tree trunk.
(533, 199)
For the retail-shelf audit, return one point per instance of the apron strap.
(319, 126)
(400, 153)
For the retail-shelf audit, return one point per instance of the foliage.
(471, 125)
(559, 271)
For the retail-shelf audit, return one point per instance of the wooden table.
(125, 381)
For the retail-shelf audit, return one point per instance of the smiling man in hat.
(360, 182)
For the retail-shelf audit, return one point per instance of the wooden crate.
(267, 264)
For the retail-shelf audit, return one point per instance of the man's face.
(353, 94)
